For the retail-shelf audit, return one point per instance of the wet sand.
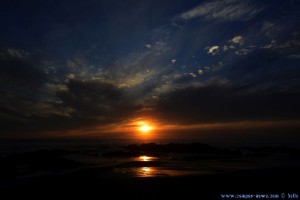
(86, 184)
(89, 185)
(155, 173)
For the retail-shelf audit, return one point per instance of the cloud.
(94, 98)
(223, 103)
(296, 56)
(225, 48)
(117, 91)
(18, 67)
(237, 39)
(138, 67)
(134, 70)
(80, 102)
(227, 10)
(213, 50)
(200, 72)
(266, 26)
(244, 51)
(148, 46)
(36, 95)
(16, 53)
(23, 79)
(193, 75)
(235, 44)
(290, 44)
(271, 45)
(28, 91)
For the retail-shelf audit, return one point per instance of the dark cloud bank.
(226, 104)
(83, 102)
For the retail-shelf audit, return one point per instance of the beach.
(154, 171)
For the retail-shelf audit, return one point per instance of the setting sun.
(144, 127)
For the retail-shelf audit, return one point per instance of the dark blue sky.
(66, 65)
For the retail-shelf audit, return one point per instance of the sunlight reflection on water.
(159, 171)
(145, 171)
(152, 169)
(146, 158)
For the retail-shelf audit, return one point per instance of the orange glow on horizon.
(131, 129)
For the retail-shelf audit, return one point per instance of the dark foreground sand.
(61, 174)
(87, 185)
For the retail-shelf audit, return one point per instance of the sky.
(93, 67)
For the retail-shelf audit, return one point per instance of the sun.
(144, 127)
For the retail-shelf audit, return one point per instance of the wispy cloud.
(148, 46)
(227, 10)
(213, 50)
(242, 52)
(294, 56)
(272, 44)
(237, 39)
